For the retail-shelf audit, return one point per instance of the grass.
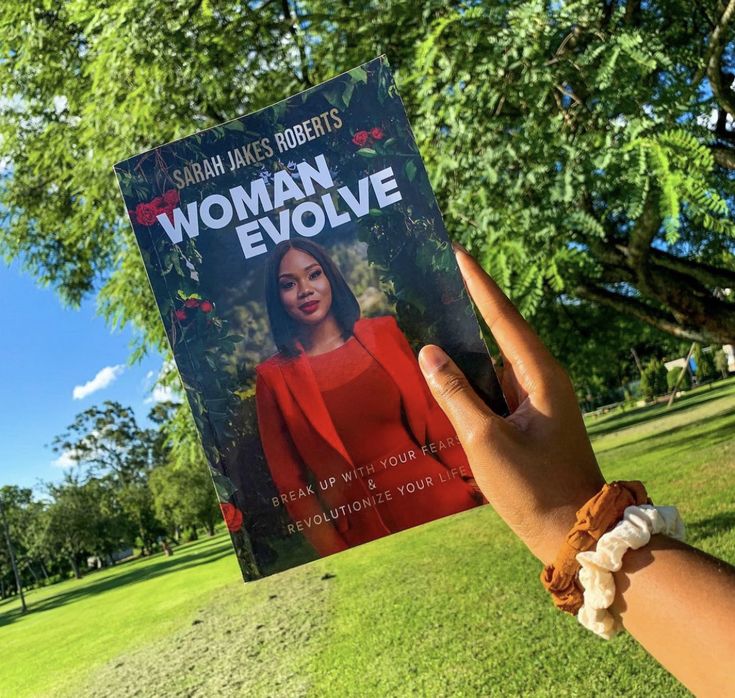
(451, 608)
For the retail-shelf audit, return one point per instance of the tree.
(600, 161)
(653, 380)
(8, 544)
(705, 365)
(107, 443)
(721, 362)
(581, 146)
(598, 346)
(181, 485)
(673, 376)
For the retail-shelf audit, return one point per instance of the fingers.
(518, 342)
(467, 412)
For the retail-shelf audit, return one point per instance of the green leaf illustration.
(223, 485)
(358, 75)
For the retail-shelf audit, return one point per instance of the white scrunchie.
(634, 531)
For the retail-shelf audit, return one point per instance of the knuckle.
(477, 432)
(453, 385)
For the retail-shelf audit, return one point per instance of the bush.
(705, 365)
(653, 380)
(673, 375)
(721, 363)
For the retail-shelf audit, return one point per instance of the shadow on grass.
(716, 429)
(711, 526)
(641, 415)
(138, 573)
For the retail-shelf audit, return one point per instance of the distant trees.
(673, 376)
(721, 363)
(705, 364)
(130, 487)
(107, 443)
(653, 380)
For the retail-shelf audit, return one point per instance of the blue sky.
(46, 351)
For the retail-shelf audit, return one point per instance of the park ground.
(450, 608)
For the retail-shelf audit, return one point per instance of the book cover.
(299, 261)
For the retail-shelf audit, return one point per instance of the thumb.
(469, 415)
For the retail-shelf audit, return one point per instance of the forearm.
(679, 603)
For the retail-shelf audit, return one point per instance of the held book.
(299, 262)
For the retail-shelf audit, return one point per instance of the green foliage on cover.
(653, 380)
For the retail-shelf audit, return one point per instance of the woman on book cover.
(345, 416)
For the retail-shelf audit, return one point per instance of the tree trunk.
(75, 567)
(35, 576)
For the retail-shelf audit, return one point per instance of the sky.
(54, 363)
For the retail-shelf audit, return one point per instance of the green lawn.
(451, 608)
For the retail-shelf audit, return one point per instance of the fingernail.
(459, 248)
(431, 359)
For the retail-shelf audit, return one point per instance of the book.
(299, 261)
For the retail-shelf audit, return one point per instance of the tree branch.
(724, 157)
(295, 32)
(704, 273)
(713, 69)
(641, 237)
(642, 311)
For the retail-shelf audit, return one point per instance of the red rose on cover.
(360, 138)
(376, 133)
(180, 314)
(206, 307)
(171, 197)
(158, 203)
(232, 516)
(192, 303)
(146, 213)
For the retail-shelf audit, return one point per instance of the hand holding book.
(537, 468)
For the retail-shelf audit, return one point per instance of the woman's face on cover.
(306, 293)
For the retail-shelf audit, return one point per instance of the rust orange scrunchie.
(594, 519)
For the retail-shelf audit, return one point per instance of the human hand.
(536, 467)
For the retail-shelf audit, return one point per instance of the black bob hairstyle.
(284, 328)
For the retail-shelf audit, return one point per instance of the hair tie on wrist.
(594, 519)
(634, 531)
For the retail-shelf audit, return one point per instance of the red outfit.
(330, 424)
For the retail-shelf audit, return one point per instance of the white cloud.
(65, 460)
(162, 393)
(103, 378)
(154, 384)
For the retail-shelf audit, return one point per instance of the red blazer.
(302, 446)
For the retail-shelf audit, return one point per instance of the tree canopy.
(579, 147)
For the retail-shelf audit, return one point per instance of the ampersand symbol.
(371, 484)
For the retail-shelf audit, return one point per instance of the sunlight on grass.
(446, 609)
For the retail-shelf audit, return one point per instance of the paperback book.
(299, 262)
